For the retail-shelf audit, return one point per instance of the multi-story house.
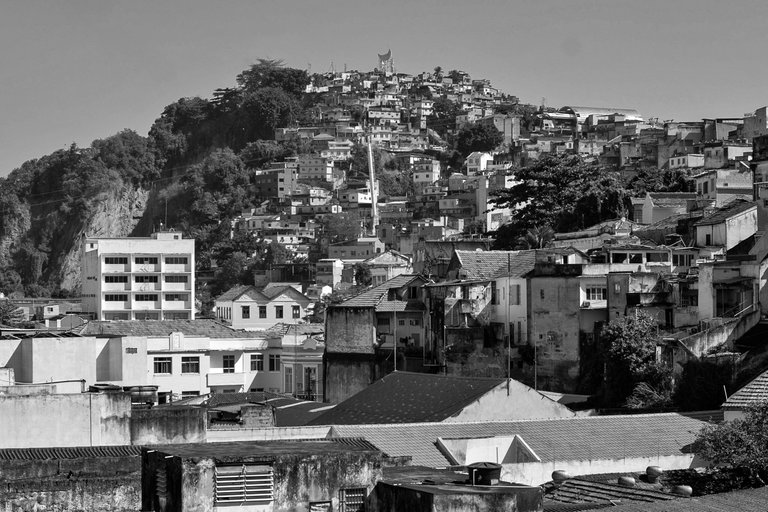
(301, 359)
(360, 248)
(314, 167)
(253, 309)
(139, 278)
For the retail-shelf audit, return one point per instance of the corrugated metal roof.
(735, 501)
(580, 438)
(265, 449)
(80, 452)
(586, 491)
(201, 327)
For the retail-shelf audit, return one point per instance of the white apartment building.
(315, 168)
(139, 278)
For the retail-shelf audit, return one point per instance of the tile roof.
(578, 438)
(668, 199)
(283, 329)
(491, 264)
(75, 452)
(372, 297)
(405, 397)
(235, 292)
(754, 392)
(726, 212)
(577, 490)
(232, 451)
(200, 327)
(289, 411)
(734, 501)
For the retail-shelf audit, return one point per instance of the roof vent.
(626, 481)
(484, 473)
(683, 490)
(560, 476)
(653, 473)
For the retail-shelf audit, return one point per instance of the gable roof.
(754, 392)
(492, 264)
(576, 438)
(726, 212)
(406, 397)
(199, 327)
(266, 294)
(377, 294)
(671, 199)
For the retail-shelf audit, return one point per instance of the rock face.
(115, 216)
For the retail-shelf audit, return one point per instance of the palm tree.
(10, 313)
(538, 237)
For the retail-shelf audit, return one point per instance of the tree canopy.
(565, 193)
(478, 137)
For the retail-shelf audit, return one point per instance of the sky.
(80, 70)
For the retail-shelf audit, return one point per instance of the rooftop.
(754, 392)
(201, 327)
(735, 501)
(607, 437)
(237, 451)
(491, 264)
(726, 212)
(374, 296)
(406, 397)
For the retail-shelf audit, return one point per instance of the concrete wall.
(88, 419)
(346, 374)
(93, 484)
(521, 403)
(267, 434)
(168, 425)
(389, 497)
(537, 473)
(350, 330)
(701, 343)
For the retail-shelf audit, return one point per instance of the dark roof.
(75, 452)
(726, 212)
(405, 397)
(233, 451)
(283, 329)
(235, 292)
(754, 392)
(372, 297)
(678, 199)
(579, 490)
(491, 264)
(266, 294)
(734, 501)
(289, 411)
(576, 438)
(201, 327)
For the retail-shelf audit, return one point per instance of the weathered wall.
(701, 343)
(168, 425)
(95, 484)
(350, 330)
(88, 419)
(522, 403)
(266, 434)
(346, 374)
(395, 498)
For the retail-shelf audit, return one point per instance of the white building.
(139, 278)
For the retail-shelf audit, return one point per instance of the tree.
(738, 443)
(628, 347)
(363, 274)
(10, 314)
(342, 227)
(563, 192)
(651, 179)
(538, 237)
(128, 153)
(478, 137)
(274, 73)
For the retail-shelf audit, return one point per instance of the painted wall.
(522, 403)
(87, 419)
(168, 425)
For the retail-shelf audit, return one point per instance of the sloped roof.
(588, 491)
(236, 292)
(200, 327)
(406, 397)
(372, 297)
(726, 212)
(238, 450)
(671, 199)
(388, 257)
(734, 501)
(577, 438)
(754, 392)
(491, 264)
(289, 411)
(284, 329)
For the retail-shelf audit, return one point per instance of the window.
(541, 293)
(257, 362)
(295, 311)
(288, 380)
(131, 350)
(416, 321)
(514, 295)
(246, 311)
(145, 279)
(174, 260)
(262, 311)
(401, 322)
(278, 311)
(116, 297)
(189, 394)
(145, 260)
(176, 279)
(190, 364)
(707, 239)
(352, 500)
(163, 365)
(274, 362)
(115, 279)
(146, 297)
(113, 260)
(494, 294)
(242, 484)
(228, 363)
(596, 293)
(175, 297)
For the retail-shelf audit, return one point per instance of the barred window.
(176, 279)
(352, 500)
(596, 293)
(115, 279)
(163, 365)
(257, 362)
(145, 279)
(146, 297)
(190, 364)
(115, 260)
(116, 297)
(243, 484)
(145, 260)
(175, 297)
(176, 260)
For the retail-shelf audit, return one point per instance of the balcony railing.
(225, 379)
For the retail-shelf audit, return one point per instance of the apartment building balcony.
(225, 379)
(115, 287)
(177, 268)
(176, 305)
(146, 287)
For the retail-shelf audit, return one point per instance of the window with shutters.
(352, 500)
(243, 484)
